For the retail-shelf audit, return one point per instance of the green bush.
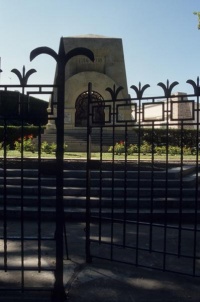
(119, 148)
(174, 150)
(50, 148)
(65, 147)
(26, 144)
(160, 150)
(10, 134)
(15, 107)
(47, 147)
(2, 146)
(132, 148)
(187, 150)
(145, 148)
(173, 137)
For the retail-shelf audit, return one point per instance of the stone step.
(103, 191)
(27, 181)
(118, 181)
(106, 138)
(153, 195)
(77, 140)
(172, 173)
(171, 215)
(101, 202)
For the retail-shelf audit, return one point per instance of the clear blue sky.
(160, 37)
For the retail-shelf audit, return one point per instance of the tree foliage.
(198, 15)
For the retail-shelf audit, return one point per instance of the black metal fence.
(32, 252)
(142, 193)
(143, 196)
(27, 244)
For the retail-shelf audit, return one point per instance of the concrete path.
(114, 282)
(103, 280)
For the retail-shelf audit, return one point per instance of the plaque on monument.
(68, 118)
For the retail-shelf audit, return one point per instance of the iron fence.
(143, 199)
(27, 245)
(29, 252)
(142, 193)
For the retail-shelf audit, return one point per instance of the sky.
(161, 40)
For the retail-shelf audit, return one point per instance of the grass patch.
(103, 156)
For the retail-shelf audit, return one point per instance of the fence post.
(88, 172)
(59, 291)
(62, 58)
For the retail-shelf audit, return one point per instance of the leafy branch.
(198, 15)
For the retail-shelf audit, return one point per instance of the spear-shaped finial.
(23, 78)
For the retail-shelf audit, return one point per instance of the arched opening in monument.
(81, 109)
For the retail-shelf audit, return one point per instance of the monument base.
(76, 139)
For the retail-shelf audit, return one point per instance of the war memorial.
(107, 70)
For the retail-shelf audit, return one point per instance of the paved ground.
(98, 281)
(110, 281)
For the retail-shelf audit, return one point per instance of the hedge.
(15, 106)
(173, 137)
(10, 134)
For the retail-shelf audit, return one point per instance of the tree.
(198, 15)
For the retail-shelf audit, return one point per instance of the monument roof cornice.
(91, 36)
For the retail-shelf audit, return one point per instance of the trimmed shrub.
(10, 134)
(2, 146)
(48, 148)
(174, 150)
(119, 148)
(132, 148)
(160, 150)
(15, 107)
(145, 148)
(26, 144)
(172, 137)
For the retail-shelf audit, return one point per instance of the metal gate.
(31, 251)
(27, 246)
(143, 189)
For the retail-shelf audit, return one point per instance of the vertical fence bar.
(61, 58)
(59, 292)
(125, 186)
(22, 189)
(113, 174)
(152, 191)
(197, 187)
(88, 175)
(181, 194)
(5, 197)
(167, 113)
(139, 113)
(39, 199)
(100, 183)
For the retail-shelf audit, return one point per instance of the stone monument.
(107, 70)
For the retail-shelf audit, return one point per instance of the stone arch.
(81, 109)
